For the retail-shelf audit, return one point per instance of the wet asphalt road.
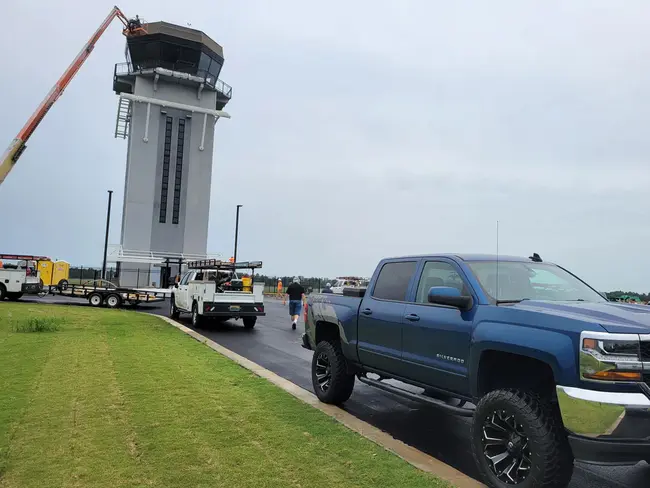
(273, 345)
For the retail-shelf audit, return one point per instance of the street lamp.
(108, 223)
(236, 232)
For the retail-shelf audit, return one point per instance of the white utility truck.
(218, 289)
(19, 275)
(348, 282)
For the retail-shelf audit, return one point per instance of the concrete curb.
(409, 454)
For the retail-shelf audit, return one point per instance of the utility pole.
(236, 232)
(108, 223)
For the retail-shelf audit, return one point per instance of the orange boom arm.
(18, 145)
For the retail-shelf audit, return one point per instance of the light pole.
(236, 232)
(108, 223)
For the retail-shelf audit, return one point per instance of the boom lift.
(132, 27)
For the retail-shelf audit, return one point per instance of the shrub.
(39, 324)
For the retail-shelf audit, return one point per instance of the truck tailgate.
(235, 304)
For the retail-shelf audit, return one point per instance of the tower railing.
(117, 253)
(148, 67)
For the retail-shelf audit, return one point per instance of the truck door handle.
(366, 311)
(412, 317)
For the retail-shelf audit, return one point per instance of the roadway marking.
(409, 454)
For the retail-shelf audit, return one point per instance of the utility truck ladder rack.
(219, 264)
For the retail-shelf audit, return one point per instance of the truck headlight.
(610, 357)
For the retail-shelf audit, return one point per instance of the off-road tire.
(249, 322)
(14, 296)
(173, 310)
(551, 456)
(341, 383)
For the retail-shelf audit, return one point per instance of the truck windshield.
(519, 281)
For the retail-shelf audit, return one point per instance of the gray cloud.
(364, 129)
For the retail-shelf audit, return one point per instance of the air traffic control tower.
(170, 99)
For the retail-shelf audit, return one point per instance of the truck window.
(438, 273)
(186, 278)
(393, 281)
(531, 281)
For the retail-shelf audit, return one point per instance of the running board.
(463, 412)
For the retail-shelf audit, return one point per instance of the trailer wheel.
(113, 301)
(63, 285)
(95, 300)
(3, 292)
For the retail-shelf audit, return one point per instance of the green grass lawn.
(116, 398)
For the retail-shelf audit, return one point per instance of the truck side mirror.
(450, 296)
(175, 285)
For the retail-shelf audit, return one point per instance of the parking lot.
(273, 345)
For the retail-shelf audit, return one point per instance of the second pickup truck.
(556, 372)
(206, 291)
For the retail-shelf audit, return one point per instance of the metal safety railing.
(117, 254)
(148, 67)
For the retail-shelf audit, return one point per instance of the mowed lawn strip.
(116, 398)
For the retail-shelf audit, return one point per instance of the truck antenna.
(497, 290)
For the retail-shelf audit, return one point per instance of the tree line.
(616, 295)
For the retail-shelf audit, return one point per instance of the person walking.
(296, 295)
(280, 292)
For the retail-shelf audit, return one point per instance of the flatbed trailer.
(103, 293)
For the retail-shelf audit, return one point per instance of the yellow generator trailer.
(55, 273)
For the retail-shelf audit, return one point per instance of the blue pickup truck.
(555, 372)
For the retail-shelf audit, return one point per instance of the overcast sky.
(361, 129)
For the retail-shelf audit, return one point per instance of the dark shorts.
(295, 307)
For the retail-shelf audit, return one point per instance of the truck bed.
(228, 303)
(342, 310)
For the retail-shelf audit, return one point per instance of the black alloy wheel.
(323, 371)
(506, 448)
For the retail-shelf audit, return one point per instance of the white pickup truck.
(18, 278)
(348, 282)
(205, 292)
